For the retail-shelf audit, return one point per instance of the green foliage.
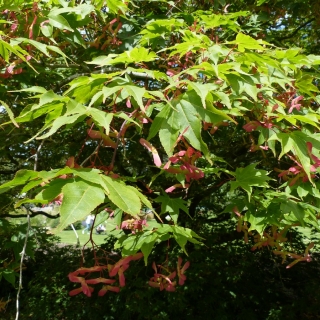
(249, 177)
(12, 243)
(117, 108)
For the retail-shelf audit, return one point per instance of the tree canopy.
(119, 108)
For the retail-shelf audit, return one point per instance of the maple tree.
(120, 107)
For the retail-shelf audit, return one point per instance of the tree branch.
(67, 80)
(56, 65)
(33, 214)
(198, 197)
(133, 74)
(9, 171)
(295, 31)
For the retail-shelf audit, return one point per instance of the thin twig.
(84, 143)
(8, 300)
(117, 144)
(26, 238)
(94, 152)
(90, 240)
(74, 230)
(36, 156)
(225, 59)
(21, 264)
(172, 6)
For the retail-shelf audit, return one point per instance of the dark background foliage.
(224, 281)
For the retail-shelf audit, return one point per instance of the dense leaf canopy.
(177, 107)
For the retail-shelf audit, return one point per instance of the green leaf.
(249, 177)
(122, 196)
(147, 245)
(181, 240)
(4, 52)
(258, 220)
(59, 122)
(142, 197)
(246, 42)
(189, 123)
(21, 177)
(296, 142)
(102, 217)
(82, 10)
(59, 22)
(192, 41)
(169, 131)
(10, 276)
(80, 198)
(10, 113)
(52, 190)
(159, 121)
(15, 49)
(137, 93)
(311, 119)
(305, 85)
(260, 2)
(46, 30)
(202, 90)
(117, 217)
(90, 175)
(103, 60)
(35, 89)
(117, 5)
(303, 191)
(294, 207)
(172, 206)
(135, 55)
(59, 51)
(182, 235)
(102, 118)
(224, 98)
(40, 46)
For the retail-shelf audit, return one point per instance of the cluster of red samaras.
(166, 281)
(272, 238)
(297, 171)
(159, 280)
(185, 164)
